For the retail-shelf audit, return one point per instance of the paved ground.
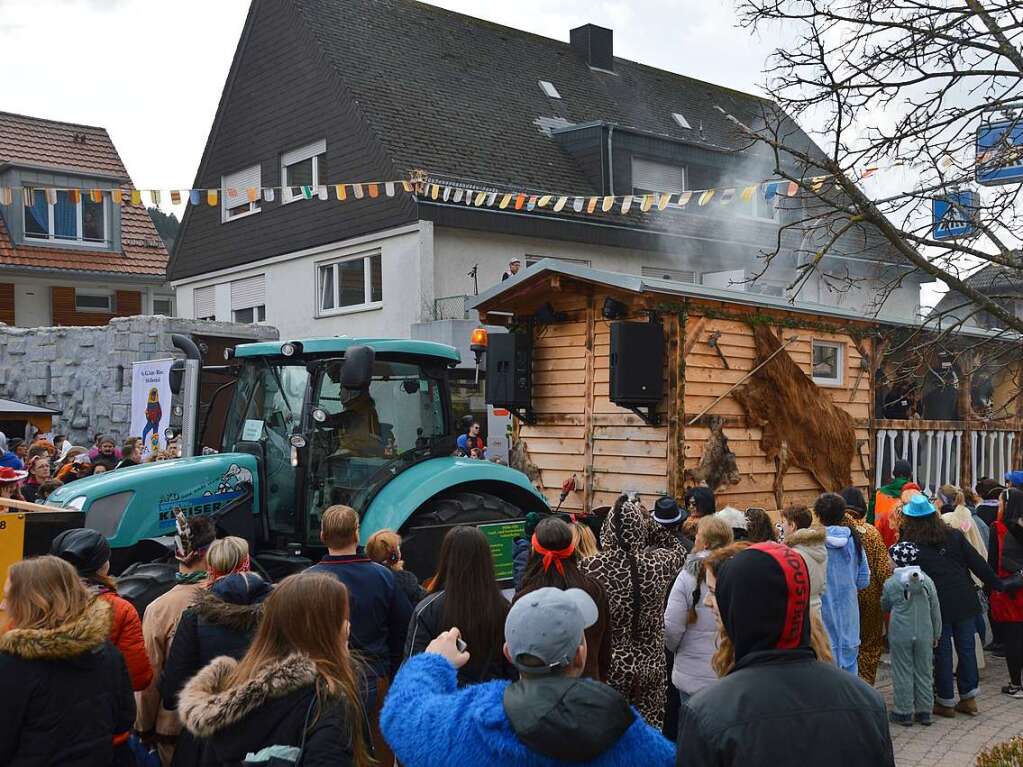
(956, 742)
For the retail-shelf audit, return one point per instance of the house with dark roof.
(70, 253)
(326, 92)
(1002, 284)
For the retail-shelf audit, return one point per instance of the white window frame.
(840, 348)
(643, 190)
(170, 297)
(308, 152)
(231, 181)
(258, 315)
(111, 306)
(77, 241)
(368, 304)
(681, 121)
(549, 89)
(748, 209)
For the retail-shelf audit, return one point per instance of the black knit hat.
(702, 498)
(763, 596)
(84, 549)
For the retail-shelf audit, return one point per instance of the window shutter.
(242, 181)
(673, 275)
(205, 302)
(248, 292)
(657, 176)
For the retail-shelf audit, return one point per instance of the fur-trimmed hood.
(214, 610)
(207, 705)
(83, 635)
(811, 542)
(809, 537)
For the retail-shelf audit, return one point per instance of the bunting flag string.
(421, 185)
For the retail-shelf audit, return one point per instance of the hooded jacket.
(961, 518)
(949, 566)
(126, 634)
(692, 644)
(913, 604)
(271, 709)
(810, 543)
(840, 607)
(221, 622)
(65, 694)
(429, 722)
(777, 686)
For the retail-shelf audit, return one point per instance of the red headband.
(554, 557)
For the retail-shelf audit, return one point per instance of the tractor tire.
(425, 530)
(143, 582)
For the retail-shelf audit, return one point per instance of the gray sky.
(151, 71)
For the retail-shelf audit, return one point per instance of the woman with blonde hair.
(690, 631)
(227, 556)
(295, 693)
(585, 541)
(384, 547)
(66, 692)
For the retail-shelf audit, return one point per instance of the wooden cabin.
(791, 389)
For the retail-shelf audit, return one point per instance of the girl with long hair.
(66, 693)
(554, 562)
(690, 632)
(296, 687)
(1005, 555)
(89, 553)
(464, 593)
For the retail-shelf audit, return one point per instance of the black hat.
(87, 550)
(667, 511)
(763, 596)
(902, 469)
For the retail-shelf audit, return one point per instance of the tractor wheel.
(425, 530)
(143, 582)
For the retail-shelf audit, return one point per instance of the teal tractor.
(362, 422)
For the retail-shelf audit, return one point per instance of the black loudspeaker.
(510, 370)
(637, 363)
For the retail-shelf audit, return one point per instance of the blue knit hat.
(917, 506)
(1015, 478)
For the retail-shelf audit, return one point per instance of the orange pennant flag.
(374, 190)
(591, 205)
(116, 196)
(520, 200)
(176, 196)
(869, 171)
(212, 197)
(74, 195)
(96, 195)
(793, 188)
(341, 192)
(252, 193)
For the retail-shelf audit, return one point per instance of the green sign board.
(500, 536)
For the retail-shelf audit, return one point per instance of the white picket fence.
(936, 455)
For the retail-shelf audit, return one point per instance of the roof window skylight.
(549, 90)
(681, 120)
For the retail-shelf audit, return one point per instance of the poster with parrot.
(151, 404)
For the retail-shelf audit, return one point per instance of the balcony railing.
(451, 308)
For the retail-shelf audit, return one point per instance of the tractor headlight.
(291, 348)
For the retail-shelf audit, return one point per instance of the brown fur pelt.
(800, 425)
(717, 464)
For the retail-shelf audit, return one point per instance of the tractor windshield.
(366, 437)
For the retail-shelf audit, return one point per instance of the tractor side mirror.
(358, 368)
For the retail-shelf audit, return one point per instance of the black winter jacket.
(64, 695)
(785, 708)
(1009, 556)
(268, 710)
(949, 566)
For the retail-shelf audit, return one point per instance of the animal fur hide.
(800, 424)
(717, 464)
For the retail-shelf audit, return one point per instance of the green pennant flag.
(307, 192)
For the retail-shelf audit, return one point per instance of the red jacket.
(126, 635)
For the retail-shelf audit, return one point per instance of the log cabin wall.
(610, 450)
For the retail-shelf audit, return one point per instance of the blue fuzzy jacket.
(429, 722)
(848, 572)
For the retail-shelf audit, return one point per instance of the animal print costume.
(871, 616)
(638, 562)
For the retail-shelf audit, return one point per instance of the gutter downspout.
(610, 160)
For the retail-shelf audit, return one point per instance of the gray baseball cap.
(548, 624)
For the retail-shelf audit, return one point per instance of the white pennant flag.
(268, 194)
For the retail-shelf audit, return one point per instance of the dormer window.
(549, 90)
(63, 220)
(650, 176)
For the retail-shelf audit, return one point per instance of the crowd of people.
(32, 471)
(680, 634)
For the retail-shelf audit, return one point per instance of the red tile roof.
(38, 142)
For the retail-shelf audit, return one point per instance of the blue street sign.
(952, 213)
(1000, 153)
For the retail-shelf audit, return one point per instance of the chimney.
(595, 45)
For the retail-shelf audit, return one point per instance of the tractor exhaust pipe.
(189, 393)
